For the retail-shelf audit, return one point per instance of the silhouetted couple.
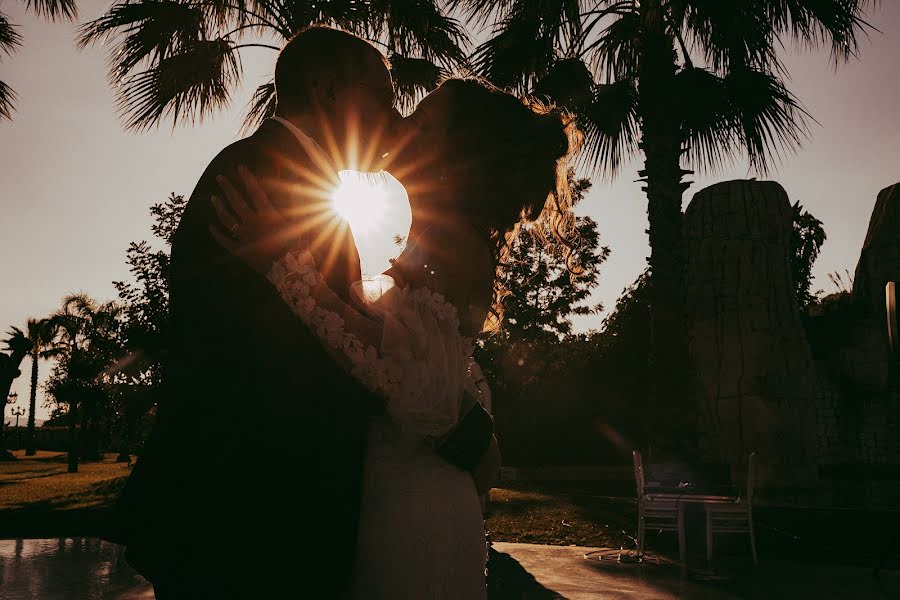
(321, 436)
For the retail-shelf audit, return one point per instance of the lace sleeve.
(304, 290)
(417, 360)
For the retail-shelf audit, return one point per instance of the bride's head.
(491, 157)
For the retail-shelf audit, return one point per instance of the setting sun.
(376, 207)
(361, 199)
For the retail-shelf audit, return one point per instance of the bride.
(487, 161)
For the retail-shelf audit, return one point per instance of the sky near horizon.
(76, 188)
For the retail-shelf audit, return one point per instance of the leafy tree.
(545, 284)
(533, 363)
(41, 336)
(146, 298)
(181, 58)
(807, 237)
(698, 81)
(10, 40)
(145, 328)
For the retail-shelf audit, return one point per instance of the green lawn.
(561, 517)
(39, 499)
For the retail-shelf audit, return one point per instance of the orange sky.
(76, 188)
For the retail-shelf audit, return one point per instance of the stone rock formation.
(879, 261)
(748, 345)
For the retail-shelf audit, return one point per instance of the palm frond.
(9, 37)
(41, 332)
(750, 33)
(817, 23)
(53, 9)
(568, 83)
(527, 39)
(413, 78)
(350, 15)
(419, 28)
(262, 106)
(516, 54)
(79, 304)
(614, 52)
(707, 119)
(768, 117)
(16, 342)
(482, 12)
(610, 126)
(186, 86)
(149, 30)
(747, 111)
(237, 14)
(8, 99)
(727, 34)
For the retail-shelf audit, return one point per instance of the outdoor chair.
(733, 517)
(655, 513)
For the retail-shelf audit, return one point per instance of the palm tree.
(689, 83)
(41, 335)
(17, 346)
(181, 58)
(89, 335)
(10, 40)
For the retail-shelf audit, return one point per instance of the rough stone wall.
(879, 261)
(867, 359)
(747, 341)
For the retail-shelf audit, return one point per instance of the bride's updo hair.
(509, 156)
(509, 160)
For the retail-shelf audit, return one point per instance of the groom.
(250, 484)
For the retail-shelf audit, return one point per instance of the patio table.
(684, 495)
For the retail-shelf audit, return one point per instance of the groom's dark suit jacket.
(251, 480)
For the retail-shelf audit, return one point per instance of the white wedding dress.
(421, 533)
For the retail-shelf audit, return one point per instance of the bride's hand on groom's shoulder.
(249, 226)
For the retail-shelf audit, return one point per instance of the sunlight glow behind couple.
(377, 208)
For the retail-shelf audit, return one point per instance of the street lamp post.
(9, 400)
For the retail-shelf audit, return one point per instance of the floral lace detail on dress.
(398, 369)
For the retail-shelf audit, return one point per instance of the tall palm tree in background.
(89, 334)
(42, 336)
(17, 347)
(10, 40)
(690, 84)
(181, 58)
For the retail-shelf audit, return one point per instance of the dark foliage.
(807, 237)
(545, 284)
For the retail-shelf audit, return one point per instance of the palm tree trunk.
(125, 443)
(84, 436)
(32, 402)
(73, 437)
(661, 142)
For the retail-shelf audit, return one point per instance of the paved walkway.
(91, 569)
(566, 572)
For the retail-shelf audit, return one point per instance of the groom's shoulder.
(270, 152)
(255, 151)
(240, 152)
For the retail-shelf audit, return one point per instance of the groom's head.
(338, 79)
